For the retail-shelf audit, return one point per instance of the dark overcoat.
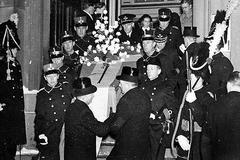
(12, 119)
(131, 127)
(81, 129)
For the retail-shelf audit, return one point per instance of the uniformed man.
(195, 110)
(65, 72)
(164, 108)
(82, 39)
(131, 122)
(128, 32)
(12, 120)
(174, 36)
(52, 102)
(71, 56)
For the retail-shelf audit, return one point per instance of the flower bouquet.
(108, 48)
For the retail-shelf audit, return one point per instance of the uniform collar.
(48, 89)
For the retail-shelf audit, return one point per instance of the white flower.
(88, 63)
(96, 41)
(90, 47)
(118, 34)
(98, 47)
(115, 24)
(85, 53)
(96, 59)
(110, 37)
(132, 48)
(122, 59)
(94, 32)
(106, 32)
(105, 51)
(105, 22)
(102, 26)
(138, 50)
(97, 27)
(94, 51)
(121, 47)
(127, 56)
(105, 11)
(105, 18)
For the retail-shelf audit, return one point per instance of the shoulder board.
(175, 27)
(41, 89)
(211, 94)
(65, 82)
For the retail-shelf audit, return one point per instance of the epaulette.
(41, 89)
(175, 27)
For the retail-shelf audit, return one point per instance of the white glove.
(191, 97)
(182, 48)
(183, 142)
(42, 136)
(166, 114)
(152, 116)
(1, 106)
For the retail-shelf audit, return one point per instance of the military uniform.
(82, 44)
(66, 74)
(51, 106)
(12, 119)
(162, 97)
(221, 69)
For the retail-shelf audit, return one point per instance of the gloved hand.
(183, 142)
(43, 139)
(1, 106)
(191, 97)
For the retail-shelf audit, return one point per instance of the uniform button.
(145, 80)
(21, 96)
(64, 110)
(143, 87)
(50, 99)
(153, 94)
(154, 88)
(151, 99)
(13, 96)
(13, 87)
(52, 106)
(54, 113)
(62, 95)
(145, 73)
(13, 79)
(64, 102)
(170, 39)
(56, 120)
(64, 77)
(144, 66)
(60, 88)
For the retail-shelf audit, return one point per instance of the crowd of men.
(175, 98)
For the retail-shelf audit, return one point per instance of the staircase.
(105, 148)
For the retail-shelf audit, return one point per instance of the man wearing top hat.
(164, 107)
(52, 102)
(12, 119)
(128, 32)
(81, 127)
(82, 39)
(71, 56)
(131, 123)
(174, 36)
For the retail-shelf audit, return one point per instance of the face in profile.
(148, 46)
(52, 79)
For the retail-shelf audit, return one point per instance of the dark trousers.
(7, 149)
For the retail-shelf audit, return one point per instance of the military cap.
(190, 31)
(55, 52)
(50, 68)
(128, 74)
(83, 86)
(80, 21)
(164, 14)
(67, 36)
(160, 38)
(126, 18)
(147, 37)
(154, 61)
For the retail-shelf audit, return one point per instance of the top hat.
(126, 18)
(190, 31)
(154, 61)
(164, 14)
(147, 37)
(50, 68)
(55, 52)
(83, 86)
(80, 21)
(67, 36)
(160, 38)
(128, 74)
